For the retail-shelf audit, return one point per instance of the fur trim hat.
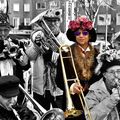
(9, 86)
(81, 23)
(107, 59)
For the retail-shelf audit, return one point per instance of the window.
(118, 2)
(54, 4)
(102, 19)
(103, 3)
(26, 21)
(41, 5)
(16, 22)
(16, 7)
(118, 19)
(26, 7)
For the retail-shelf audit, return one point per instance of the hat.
(50, 14)
(108, 59)
(53, 15)
(81, 23)
(9, 86)
(4, 20)
(116, 37)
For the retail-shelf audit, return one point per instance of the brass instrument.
(48, 40)
(10, 48)
(71, 110)
(15, 113)
(53, 114)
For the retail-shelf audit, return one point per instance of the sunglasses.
(77, 33)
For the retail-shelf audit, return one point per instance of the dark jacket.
(88, 64)
(24, 114)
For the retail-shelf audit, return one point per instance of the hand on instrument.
(76, 88)
(115, 94)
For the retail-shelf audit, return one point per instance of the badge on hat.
(50, 14)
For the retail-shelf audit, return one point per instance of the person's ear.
(104, 75)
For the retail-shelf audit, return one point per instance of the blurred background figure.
(115, 41)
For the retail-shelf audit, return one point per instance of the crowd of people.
(98, 74)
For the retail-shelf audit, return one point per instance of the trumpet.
(52, 114)
(15, 113)
(70, 109)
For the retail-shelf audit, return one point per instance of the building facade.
(21, 12)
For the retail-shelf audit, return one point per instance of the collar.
(85, 50)
(99, 85)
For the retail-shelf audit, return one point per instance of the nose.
(116, 74)
(13, 100)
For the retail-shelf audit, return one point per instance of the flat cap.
(9, 86)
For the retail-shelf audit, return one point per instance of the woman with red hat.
(82, 32)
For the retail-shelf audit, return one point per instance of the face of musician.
(112, 77)
(54, 26)
(82, 37)
(116, 45)
(4, 32)
(7, 102)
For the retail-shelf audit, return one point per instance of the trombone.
(52, 114)
(71, 110)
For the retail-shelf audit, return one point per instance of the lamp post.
(106, 27)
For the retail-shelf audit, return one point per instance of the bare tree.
(91, 7)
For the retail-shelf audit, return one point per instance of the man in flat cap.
(9, 110)
(12, 56)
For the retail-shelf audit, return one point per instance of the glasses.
(77, 33)
(113, 72)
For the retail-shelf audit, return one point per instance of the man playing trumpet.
(9, 110)
(103, 97)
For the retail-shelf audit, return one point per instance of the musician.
(45, 90)
(12, 57)
(84, 54)
(103, 97)
(9, 110)
(115, 41)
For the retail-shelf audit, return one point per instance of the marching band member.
(84, 54)
(103, 97)
(45, 90)
(9, 90)
(12, 58)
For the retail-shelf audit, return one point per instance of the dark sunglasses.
(77, 33)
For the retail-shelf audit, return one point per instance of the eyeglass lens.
(77, 33)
